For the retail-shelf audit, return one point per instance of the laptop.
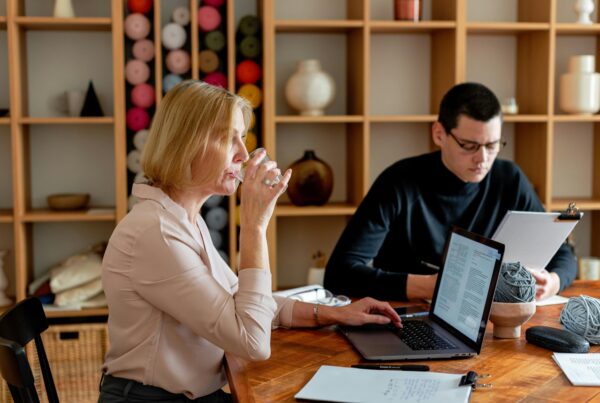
(459, 311)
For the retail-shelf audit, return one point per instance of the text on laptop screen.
(465, 282)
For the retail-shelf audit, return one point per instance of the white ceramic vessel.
(310, 90)
(580, 86)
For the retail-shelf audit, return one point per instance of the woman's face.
(225, 183)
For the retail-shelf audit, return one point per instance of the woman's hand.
(547, 283)
(361, 312)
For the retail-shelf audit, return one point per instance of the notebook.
(459, 311)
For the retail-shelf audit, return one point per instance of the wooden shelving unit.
(447, 31)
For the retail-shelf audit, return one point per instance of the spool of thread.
(143, 50)
(216, 218)
(215, 40)
(252, 120)
(136, 72)
(515, 284)
(139, 139)
(137, 26)
(139, 6)
(252, 93)
(249, 25)
(173, 36)
(581, 315)
(181, 16)
(213, 3)
(170, 81)
(208, 60)
(251, 141)
(250, 47)
(137, 119)
(178, 61)
(143, 95)
(133, 161)
(209, 18)
(213, 201)
(217, 79)
(248, 72)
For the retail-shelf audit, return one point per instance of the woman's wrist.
(324, 315)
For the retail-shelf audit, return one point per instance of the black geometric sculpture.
(91, 105)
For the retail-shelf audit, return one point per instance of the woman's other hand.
(361, 312)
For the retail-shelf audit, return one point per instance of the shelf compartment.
(319, 119)
(582, 203)
(400, 27)
(577, 29)
(104, 120)
(402, 118)
(317, 25)
(329, 209)
(6, 216)
(46, 215)
(505, 28)
(64, 24)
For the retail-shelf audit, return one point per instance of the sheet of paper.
(553, 300)
(581, 369)
(532, 238)
(353, 385)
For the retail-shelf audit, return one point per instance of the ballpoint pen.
(430, 265)
(403, 367)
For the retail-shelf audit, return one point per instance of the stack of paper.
(352, 385)
(581, 369)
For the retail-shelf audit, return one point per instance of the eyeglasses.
(321, 296)
(472, 147)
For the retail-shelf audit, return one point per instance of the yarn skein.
(515, 284)
(581, 315)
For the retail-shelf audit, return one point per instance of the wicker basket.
(76, 354)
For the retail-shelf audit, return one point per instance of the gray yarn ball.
(515, 284)
(581, 315)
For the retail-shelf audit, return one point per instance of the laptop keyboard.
(418, 335)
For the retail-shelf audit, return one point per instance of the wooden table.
(521, 372)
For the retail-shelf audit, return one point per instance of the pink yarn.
(209, 18)
(137, 119)
(213, 3)
(136, 72)
(143, 50)
(217, 79)
(178, 61)
(143, 95)
(137, 26)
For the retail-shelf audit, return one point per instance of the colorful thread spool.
(181, 16)
(139, 6)
(137, 26)
(215, 40)
(133, 161)
(136, 72)
(178, 61)
(140, 137)
(209, 18)
(137, 119)
(170, 81)
(173, 36)
(250, 47)
(143, 50)
(248, 72)
(143, 95)
(213, 3)
(249, 25)
(208, 60)
(217, 79)
(251, 141)
(252, 93)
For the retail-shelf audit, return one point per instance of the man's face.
(469, 150)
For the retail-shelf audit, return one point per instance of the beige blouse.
(174, 304)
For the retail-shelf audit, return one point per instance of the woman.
(174, 305)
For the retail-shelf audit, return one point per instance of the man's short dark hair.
(470, 99)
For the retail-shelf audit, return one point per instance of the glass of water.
(266, 158)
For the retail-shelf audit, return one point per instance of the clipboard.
(533, 238)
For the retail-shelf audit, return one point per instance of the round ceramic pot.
(311, 182)
(309, 89)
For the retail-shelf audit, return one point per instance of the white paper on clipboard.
(532, 238)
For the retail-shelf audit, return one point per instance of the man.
(398, 232)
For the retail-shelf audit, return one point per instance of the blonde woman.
(175, 307)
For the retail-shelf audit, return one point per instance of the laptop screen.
(464, 286)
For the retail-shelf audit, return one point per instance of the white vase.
(580, 86)
(4, 300)
(584, 9)
(63, 9)
(310, 89)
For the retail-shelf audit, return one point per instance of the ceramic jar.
(583, 9)
(580, 86)
(310, 89)
(311, 182)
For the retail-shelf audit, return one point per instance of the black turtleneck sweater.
(406, 216)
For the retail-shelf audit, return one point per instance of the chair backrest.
(16, 371)
(20, 324)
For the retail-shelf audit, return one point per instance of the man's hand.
(420, 286)
(547, 284)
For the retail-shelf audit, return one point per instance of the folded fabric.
(98, 301)
(78, 294)
(75, 271)
(38, 282)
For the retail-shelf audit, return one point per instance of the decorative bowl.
(68, 201)
(508, 317)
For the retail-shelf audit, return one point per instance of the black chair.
(18, 326)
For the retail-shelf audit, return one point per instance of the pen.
(430, 265)
(404, 367)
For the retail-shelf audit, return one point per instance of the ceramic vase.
(63, 9)
(508, 317)
(583, 9)
(311, 182)
(580, 86)
(310, 89)
(4, 300)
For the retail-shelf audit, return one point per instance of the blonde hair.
(193, 119)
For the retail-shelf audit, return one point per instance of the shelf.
(576, 118)
(402, 118)
(577, 29)
(506, 27)
(2, 22)
(76, 313)
(46, 215)
(66, 120)
(319, 119)
(399, 27)
(6, 216)
(316, 25)
(525, 118)
(582, 204)
(4, 121)
(330, 209)
(64, 24)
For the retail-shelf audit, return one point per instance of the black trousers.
(117, 390)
